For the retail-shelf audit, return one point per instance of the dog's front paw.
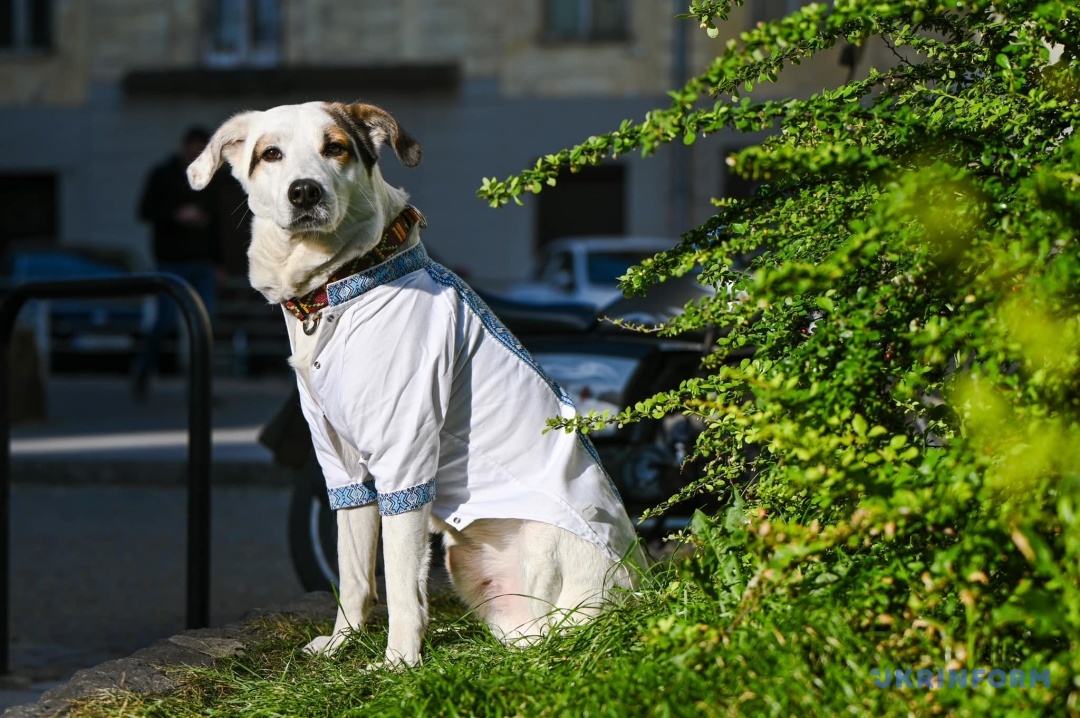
(402, 658)
(325, 645)
(397, 661)
(403, 648)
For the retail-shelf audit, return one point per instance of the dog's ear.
(223, 147)
(372, 128)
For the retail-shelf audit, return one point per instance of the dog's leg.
(358, 539)
(406, 556)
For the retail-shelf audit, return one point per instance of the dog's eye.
(271, 154)
(334, 149)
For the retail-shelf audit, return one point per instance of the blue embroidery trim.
(497, 329)
(351, 496)
(396, 267)
(398, 502)
(587, 443)
(395, 502)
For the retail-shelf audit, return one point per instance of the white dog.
(408, 381)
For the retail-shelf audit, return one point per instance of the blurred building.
(95, 92)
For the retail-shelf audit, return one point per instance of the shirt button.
(317, 365)
(330, 318)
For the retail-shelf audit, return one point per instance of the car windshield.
(607, 267)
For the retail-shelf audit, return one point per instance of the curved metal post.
(198, 474)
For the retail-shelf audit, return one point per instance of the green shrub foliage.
(913, 398)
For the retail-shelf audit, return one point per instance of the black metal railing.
(198, 475)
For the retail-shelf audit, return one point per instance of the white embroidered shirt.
(418, 394)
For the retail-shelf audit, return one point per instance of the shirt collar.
(391, 243)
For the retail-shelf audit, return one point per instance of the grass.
(669, 651)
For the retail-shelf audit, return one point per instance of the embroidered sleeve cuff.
(398, 502)
(351, 496)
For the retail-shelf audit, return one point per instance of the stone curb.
(143, 671)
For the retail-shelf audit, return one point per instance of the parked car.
(77, 328)
(584, 270)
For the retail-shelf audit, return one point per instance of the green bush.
(914, 397)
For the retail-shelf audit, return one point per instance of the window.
(605, 268)
(557, 270)
(243, 32)
(585, 20)
(589, 202)
(29, 213)
(25, 25)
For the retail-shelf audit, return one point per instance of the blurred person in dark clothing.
(186, 241)
(234, 226)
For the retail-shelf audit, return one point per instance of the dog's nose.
(305, 193)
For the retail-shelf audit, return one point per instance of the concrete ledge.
(142, 672)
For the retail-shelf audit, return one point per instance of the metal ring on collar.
(311, 324)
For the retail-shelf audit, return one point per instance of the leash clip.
(311, 323)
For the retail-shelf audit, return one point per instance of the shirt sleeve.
(345, 489)
(396, 388)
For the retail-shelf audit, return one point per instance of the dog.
(425, 412)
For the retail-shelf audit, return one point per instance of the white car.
(584, 270)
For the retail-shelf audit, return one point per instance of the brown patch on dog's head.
(337, 145)
(263, 151)
(370, 128)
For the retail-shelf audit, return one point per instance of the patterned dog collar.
(305, 307)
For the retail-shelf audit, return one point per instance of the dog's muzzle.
(305, 193)
(310, 208)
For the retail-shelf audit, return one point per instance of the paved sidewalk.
(98, 521)
(146, 671)
(96, 431)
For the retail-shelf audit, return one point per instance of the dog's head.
(306, 168)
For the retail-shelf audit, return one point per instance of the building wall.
(129, 34)
(520, 97)
(530, 66)
(108, 146)
(51, 78)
